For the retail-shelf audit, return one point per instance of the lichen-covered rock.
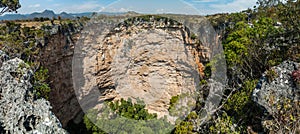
(276, 84)
(278, 94)
(20, 112)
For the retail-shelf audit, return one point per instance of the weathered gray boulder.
(19, 111)
(278, 94)
(276, 84)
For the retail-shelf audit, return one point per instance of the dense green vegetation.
(130, 118)
(186, 126)
(41, 87)
(173, 101)
(254, 41)
(130, 110)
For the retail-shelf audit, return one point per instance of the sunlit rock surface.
(149, 60)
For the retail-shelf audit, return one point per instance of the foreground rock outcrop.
(276, 84)
(20, 112)
(278, 94)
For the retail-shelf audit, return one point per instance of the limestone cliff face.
(150, 60)
(56, 55)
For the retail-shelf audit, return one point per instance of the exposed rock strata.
(150, 60)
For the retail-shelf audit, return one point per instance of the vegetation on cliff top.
(254, 41)
(26, 43)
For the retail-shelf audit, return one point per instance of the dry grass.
(36, 24)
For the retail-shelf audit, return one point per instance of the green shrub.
(130, 110)
(186, 126)
(40, 85)
(193, 36)
(203, 82)
(239, 99)
(90, 125)
(224, 125)
(240, 107)
(271, 75)
(137, 119)
(173, 101)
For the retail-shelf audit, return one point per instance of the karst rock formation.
(148, 58)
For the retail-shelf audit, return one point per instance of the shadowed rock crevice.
(57, 58)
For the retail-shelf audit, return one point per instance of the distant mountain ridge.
(49, 14)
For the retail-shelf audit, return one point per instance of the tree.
(9, 6)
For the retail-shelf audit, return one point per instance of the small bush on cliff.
(130, 110)
(271, 75)
(224, 124)
(135, 120)
(40, 85)
(89, 120)
(186, 126)
(173, 101)
(193, 36)
(238, 101)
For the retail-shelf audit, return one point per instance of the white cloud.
(235, 6)
(153, 6)
(85, 7)
(34, 6)
(160, 10)
(116, 9)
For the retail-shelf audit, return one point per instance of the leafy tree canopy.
(9, 6)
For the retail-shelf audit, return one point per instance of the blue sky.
(144, 6)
